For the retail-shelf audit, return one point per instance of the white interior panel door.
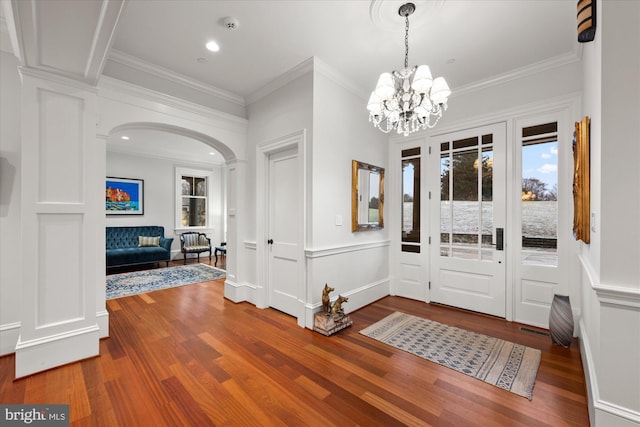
(468, 219)
(284, 231)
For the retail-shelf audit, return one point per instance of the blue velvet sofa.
(125, 247)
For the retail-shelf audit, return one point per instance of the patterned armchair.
(193, 242)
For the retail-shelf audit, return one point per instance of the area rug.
(137, 282)
(510, 366)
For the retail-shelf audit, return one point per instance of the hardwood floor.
(188, 357)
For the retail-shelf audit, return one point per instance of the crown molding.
(335, 76)
(108, 84)
(53, 75)
(283, 79)
(519, 73)
(305, 67)
(166, 74)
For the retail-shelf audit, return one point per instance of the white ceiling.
(359, 38)
(466, 41)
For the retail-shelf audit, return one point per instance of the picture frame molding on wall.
(131, 199)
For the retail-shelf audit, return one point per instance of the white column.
(61, 220)
(234, 288)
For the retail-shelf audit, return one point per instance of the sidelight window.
(411, 200)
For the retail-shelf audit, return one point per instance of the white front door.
(284, 211)
(468, 193)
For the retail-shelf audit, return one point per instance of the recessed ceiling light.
(213, 46)
(212, 153)
(125, 137)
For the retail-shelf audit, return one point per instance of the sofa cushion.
(126, 256)
(144, 241)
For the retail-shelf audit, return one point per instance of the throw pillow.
(148, 241)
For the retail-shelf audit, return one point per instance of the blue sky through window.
(541, 161)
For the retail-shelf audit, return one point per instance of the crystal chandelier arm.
(409, 99)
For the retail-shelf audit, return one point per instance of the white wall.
(341, 134)
(356, 264)
(159, 194)
(610, 327)
(285, 110)
(10, 203)
(317, 99)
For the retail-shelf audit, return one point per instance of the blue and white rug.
(137, 282)
(507, 365)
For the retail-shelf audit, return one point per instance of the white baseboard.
(102, 318)
(9, 334)
(358, 298)
(50, 352)
(240, 292)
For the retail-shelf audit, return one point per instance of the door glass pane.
(540, 196)
(411, 200)
(487, 202)
(466, 199)
(445, 203)
(540, 203)
(465, 204)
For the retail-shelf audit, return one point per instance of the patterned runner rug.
(137, 282)
(510, 366)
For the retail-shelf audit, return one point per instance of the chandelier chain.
(406, 42)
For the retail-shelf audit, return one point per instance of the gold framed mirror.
(367, 196)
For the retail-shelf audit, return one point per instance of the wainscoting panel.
(359, 272)
(411, 281)
(535, 302)
(60, 149)
(57, 280)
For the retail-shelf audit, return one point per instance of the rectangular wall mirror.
(367, 196)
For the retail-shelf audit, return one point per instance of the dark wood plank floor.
(188, 357)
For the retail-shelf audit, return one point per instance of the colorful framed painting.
(124, 196)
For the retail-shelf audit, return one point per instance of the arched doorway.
(120, 113)
(163, 157)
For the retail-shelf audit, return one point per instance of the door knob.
(270, 241)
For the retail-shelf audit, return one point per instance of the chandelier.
(410, 99)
